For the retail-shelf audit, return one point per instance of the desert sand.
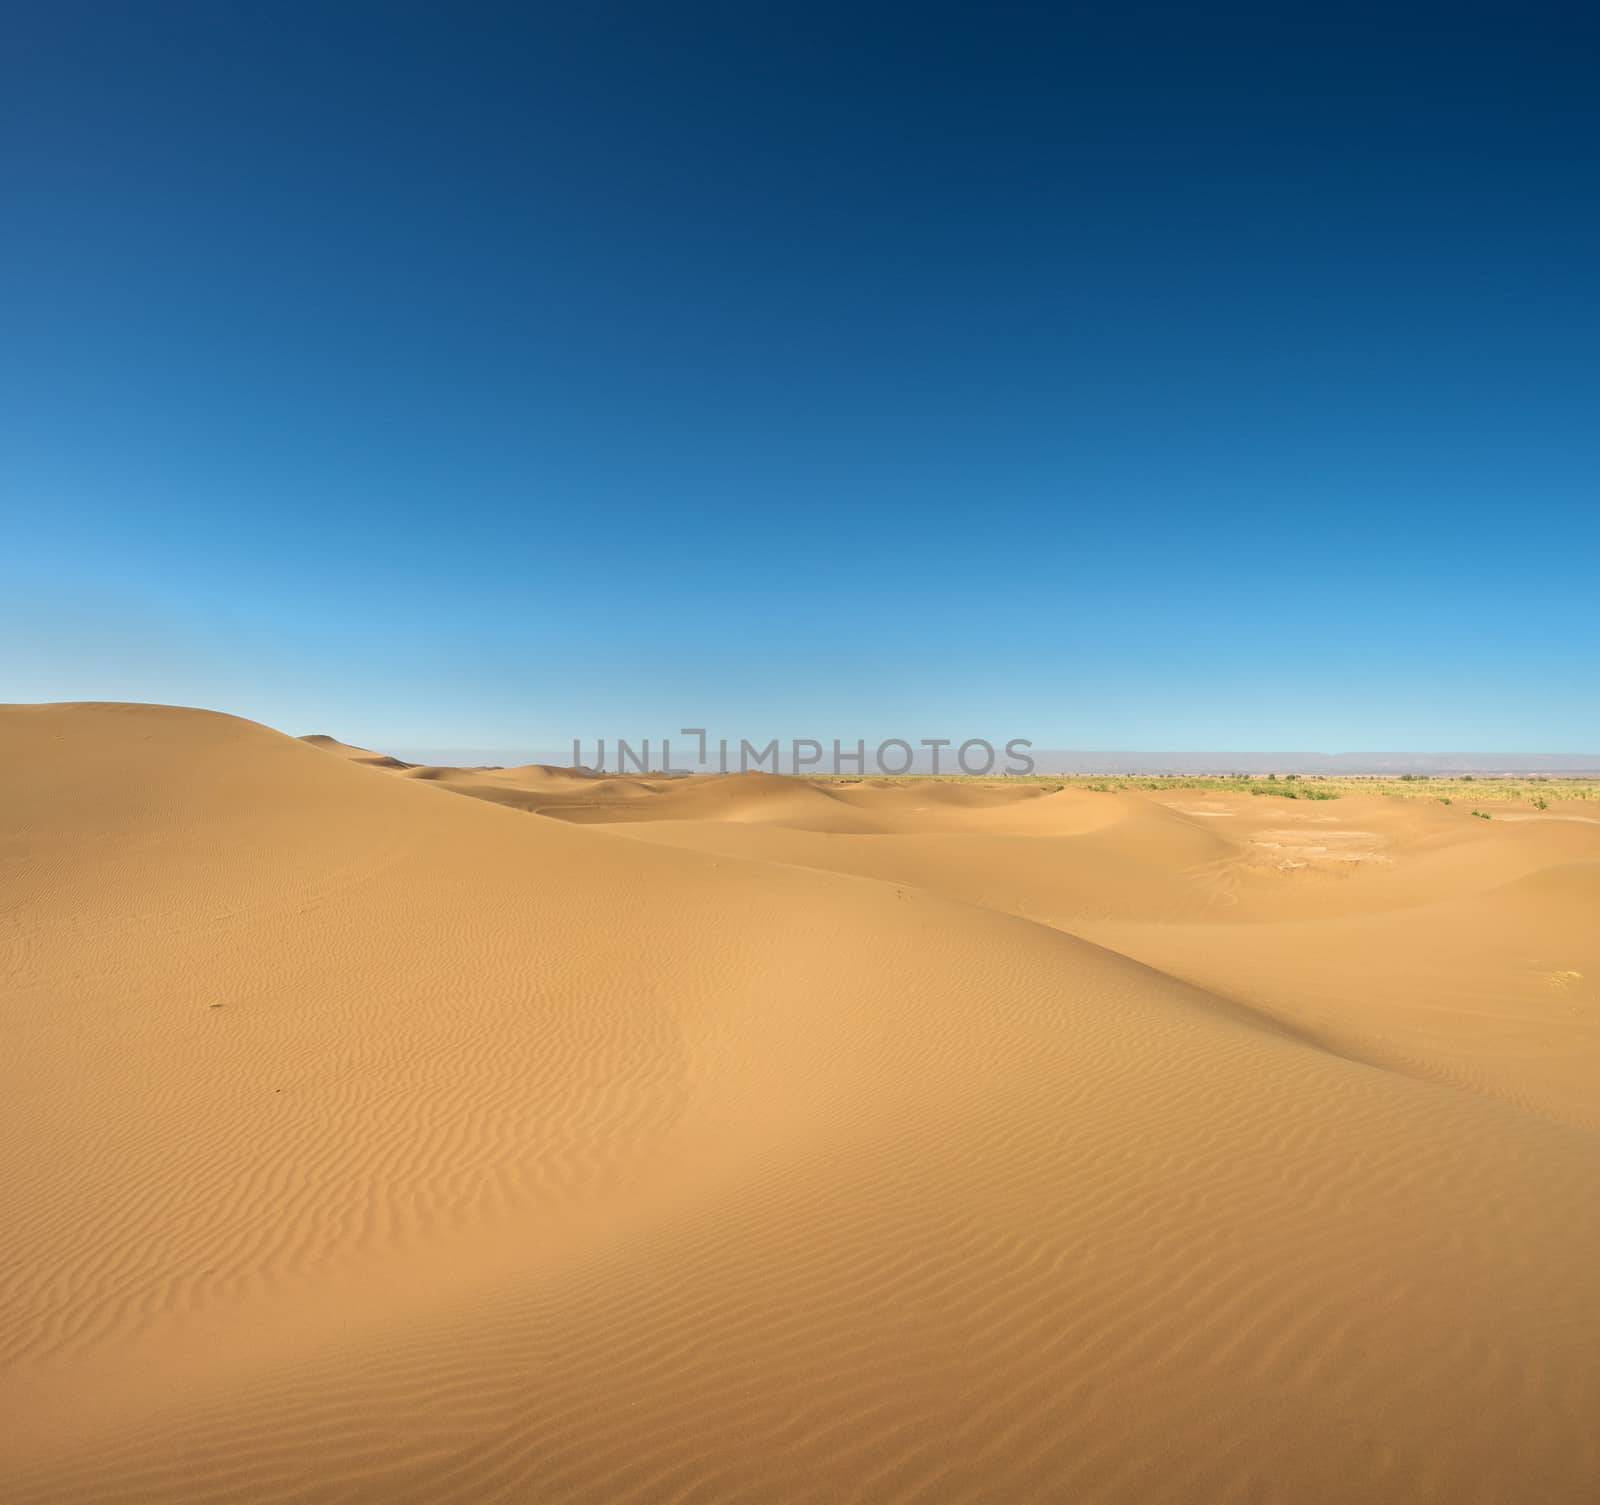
(388, 1133)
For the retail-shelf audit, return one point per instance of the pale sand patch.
(1586, 820)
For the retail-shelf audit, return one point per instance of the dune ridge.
(759, 1139)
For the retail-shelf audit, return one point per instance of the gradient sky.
(1116, 376)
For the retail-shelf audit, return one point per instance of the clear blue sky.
(1117, 376)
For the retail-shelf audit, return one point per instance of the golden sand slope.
(760, 1140)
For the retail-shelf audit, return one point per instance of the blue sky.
(481, 376)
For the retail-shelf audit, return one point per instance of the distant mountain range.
(1054, 760)
(1391, 763)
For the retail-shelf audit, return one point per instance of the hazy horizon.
(1055, 760)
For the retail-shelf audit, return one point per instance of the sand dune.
(754, 1139)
